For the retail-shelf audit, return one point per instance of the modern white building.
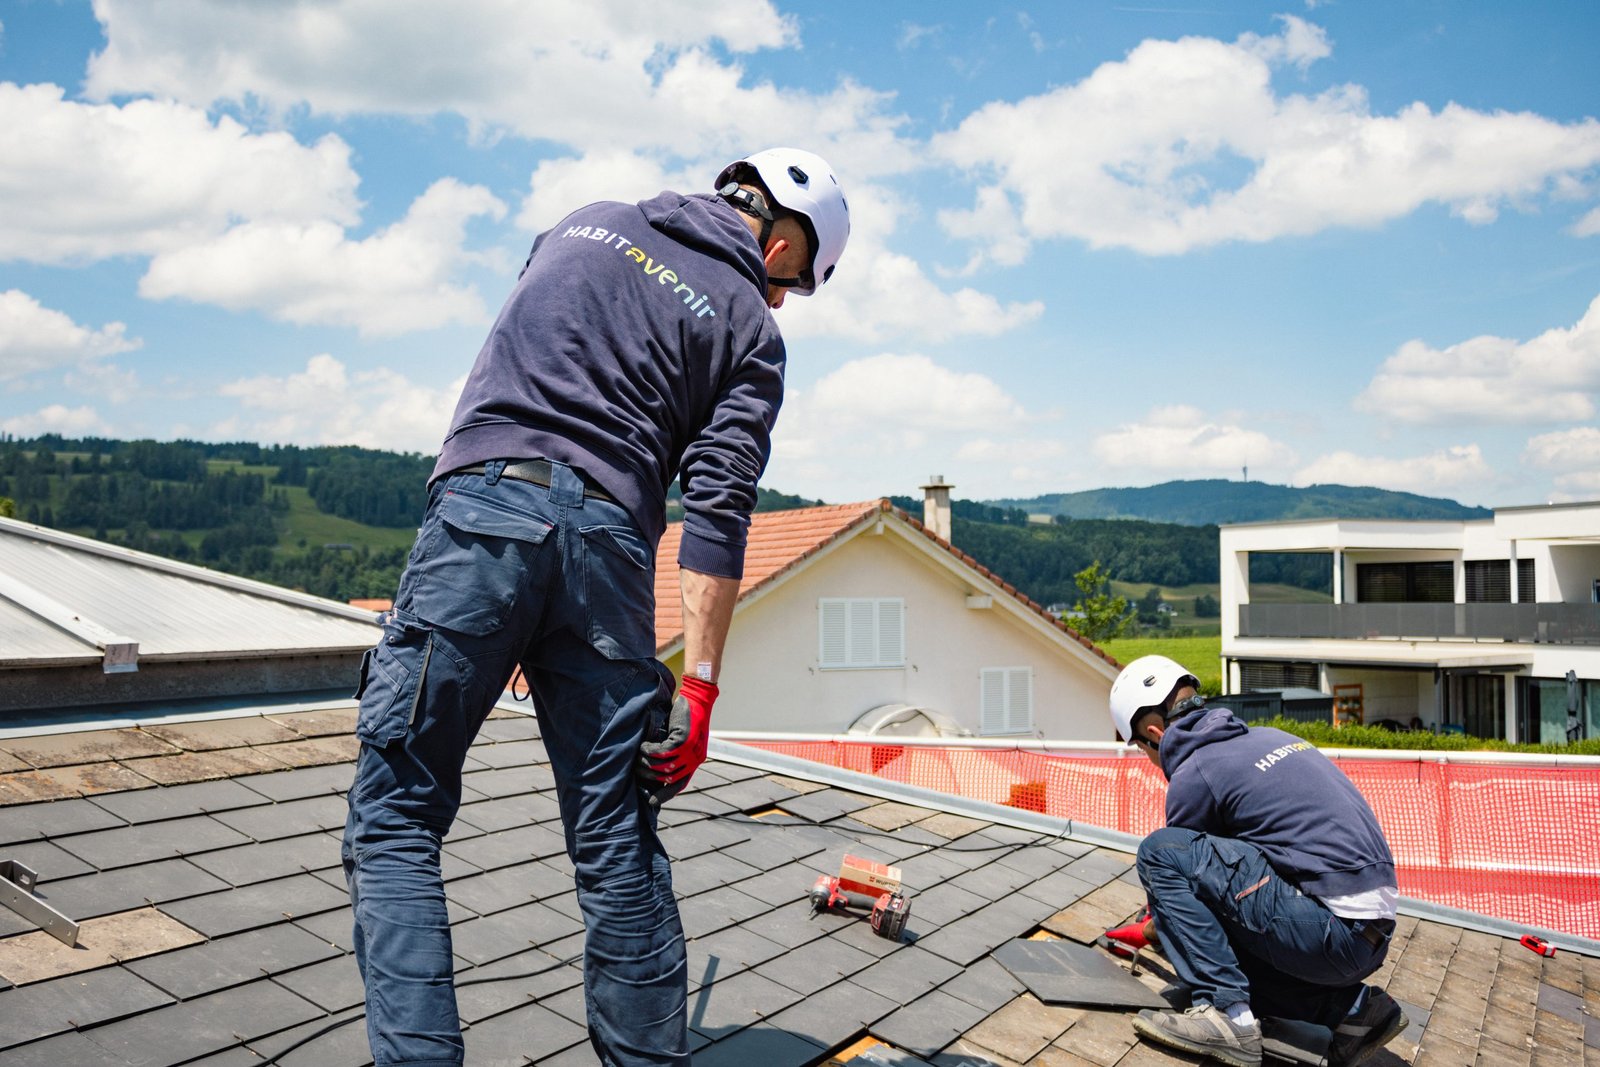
(1489, 627)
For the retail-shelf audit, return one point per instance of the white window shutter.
(1019, 700)
(833, 628)
(992, 714)
(891, 632)
(863, 634)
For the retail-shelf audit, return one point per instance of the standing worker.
(637, 346)
(1271, 886)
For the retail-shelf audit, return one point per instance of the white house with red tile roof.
(855, 614)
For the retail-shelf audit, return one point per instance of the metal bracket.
(16, 892)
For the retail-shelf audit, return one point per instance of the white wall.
(770, 678)
(1397, 695)
(1573, 571)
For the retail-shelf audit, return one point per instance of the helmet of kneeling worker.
(802, 184)
(1147, 682)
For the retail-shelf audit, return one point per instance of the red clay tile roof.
(781, 540)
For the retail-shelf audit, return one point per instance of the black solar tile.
(495, 891)
(507, 932)
(177, 801)
(505, 983)
(219, 914)
(986, 985)
(977, 934)
(300, 782)
(56, 818)
(1098, 867)
(230, 961)
(772, 846)
(714, 910)
(70, 1049)
(509, 754)
(524, 1035)
(929, 1024)
(1061, 889)
(944, 903)
(314, 1044)
(826, 804)
(835, 1014)
(507, 812)
(782, 884)
(906, 975)
(31, 1012)
(263, 861)
(770, 1046)
(45, 859)
(92, 895)
(816, 965)
(289, 819)
(335, 927)
(790, 924)
(750, 794)
(708, 870)
(333, 985)
(734, 772)
(733, 1003)
(508, 728)
(1034, 862)
(503, 781)
(736, 948)
(705, 835)
(107, 849)
(503, 848)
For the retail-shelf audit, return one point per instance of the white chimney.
(936, 506)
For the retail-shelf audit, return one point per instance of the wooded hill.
(338, 521)
(1218, 501)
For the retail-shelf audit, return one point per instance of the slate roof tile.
(770, 985)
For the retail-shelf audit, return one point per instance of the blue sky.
(1095, 244)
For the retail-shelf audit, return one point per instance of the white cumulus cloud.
(34, 337)
(1181, 442)
(1574, 456)
(56, 418)
(1449, 470)
(328, 404)
(87, 181)
(584, 73)
(1552, 377)
(1186, 143)
(393, 282)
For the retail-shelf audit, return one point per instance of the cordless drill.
(889, 910)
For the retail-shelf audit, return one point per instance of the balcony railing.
(1556, 624)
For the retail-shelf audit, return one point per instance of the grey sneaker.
(1205, 1031)
(1379, 1022)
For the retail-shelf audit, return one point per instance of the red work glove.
(670, 762)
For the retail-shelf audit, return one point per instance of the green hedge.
(1324, 735)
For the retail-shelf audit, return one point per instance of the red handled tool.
(1538, 944)
(889, 910)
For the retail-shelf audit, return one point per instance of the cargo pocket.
(618, 570)
(393, 676)
(477, 562)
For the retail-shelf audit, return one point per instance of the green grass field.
(305, 526)
(1202, 655)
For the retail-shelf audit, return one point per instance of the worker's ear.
(776, 247)
(1154, 732)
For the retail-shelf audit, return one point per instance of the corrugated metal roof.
(27, 640)
(171, 610)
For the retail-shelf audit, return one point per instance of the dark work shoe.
(1205, 1031)
(1379, 1022)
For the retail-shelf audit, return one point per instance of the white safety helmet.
(1144, 683)
(803, 184)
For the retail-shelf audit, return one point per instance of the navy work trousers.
(507, 572)
(1237, 932)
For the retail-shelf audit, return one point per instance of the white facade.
(940, 637)
(1435, 621)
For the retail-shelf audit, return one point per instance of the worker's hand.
(668, 764)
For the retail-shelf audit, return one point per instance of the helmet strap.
(751, 203)
(1184, 706)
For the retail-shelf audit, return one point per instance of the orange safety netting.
(1512, 841)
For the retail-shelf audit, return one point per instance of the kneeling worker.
(1271, 886)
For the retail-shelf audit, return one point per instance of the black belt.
(1374, 930)
(538, 472)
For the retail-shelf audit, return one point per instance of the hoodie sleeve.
(721, 467)
(1191, 805)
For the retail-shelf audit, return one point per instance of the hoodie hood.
(708, 225)
(1201, 727)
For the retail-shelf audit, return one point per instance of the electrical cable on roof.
(1006, 850)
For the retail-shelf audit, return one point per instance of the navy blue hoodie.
(1279, 793)
(637, 344)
